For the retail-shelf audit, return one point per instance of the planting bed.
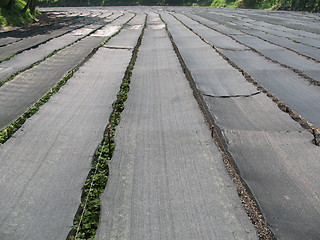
(199, 123)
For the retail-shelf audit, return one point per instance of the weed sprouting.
(87, 219)
(8, 132)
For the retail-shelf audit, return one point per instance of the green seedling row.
(9, 131)
(87, 219)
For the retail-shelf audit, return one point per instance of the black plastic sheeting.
(44, 167)
(275, 155)
(19, 94)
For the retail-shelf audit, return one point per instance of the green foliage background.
(17, 17)
(293, 5)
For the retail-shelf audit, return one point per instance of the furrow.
(277, 99)
(309, 54)
(166, 171)
(34, 29)
(6, 58)
(21, 62)
(274, 154)
(247, 198)
(293, 67)
(88, 213)
(41, 189)
(9, 130)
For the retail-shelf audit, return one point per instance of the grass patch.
(16, 17)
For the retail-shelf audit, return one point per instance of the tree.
(31, 4)
(174, 2)
(249, 3)
(10, 4)
(148, 2)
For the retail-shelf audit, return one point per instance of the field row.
(217, 137)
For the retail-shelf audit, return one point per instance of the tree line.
(114, 2)
(293, 5)
(300, 5)
(290, 5)
(30, 4)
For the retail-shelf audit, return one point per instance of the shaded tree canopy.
(31, 4)
(10, 4)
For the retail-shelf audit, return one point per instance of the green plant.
(15, 16)
(87, 220)
(8, 132)
(225, 3)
